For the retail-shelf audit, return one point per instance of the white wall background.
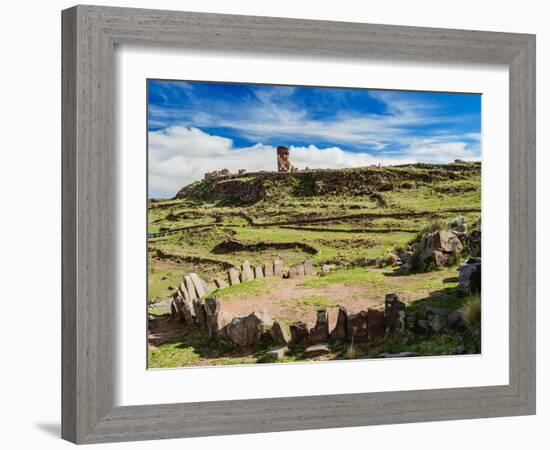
(31, 208)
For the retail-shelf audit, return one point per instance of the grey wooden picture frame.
(90, 34)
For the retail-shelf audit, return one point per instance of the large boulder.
(319, 333)
(246, 332)
(394, 313)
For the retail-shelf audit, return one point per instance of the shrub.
(472, 311)
(351, 352)
(436, 225)
(390, 259)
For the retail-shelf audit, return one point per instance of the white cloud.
(180, 155)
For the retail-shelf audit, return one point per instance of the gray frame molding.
(89, 36)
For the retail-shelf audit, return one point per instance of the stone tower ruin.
(283, 160)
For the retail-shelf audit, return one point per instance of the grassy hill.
(340, 217)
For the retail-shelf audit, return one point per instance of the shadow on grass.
(447, 299)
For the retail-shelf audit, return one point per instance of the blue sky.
(195, 127)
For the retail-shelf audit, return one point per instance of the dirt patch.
(289, 301)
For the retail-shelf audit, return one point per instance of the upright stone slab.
(183, 289)
(234, 276)
(308, 268)
(340, 333)
(319, 333)
(394, 313)
(280, 333)
(190, 287)
(298, 332)
(268, 269)
(212, 309)
(246, 274)
(358, 327)
(200, 285)
(258, 272)
(220, 284)
(296, 271)
(176, 303)
(200, 314)
(376, 325)
(277, 268)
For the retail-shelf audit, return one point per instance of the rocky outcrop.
(440, 248)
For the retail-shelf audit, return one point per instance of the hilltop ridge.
(248, 188)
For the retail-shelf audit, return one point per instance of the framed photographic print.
(268, 230)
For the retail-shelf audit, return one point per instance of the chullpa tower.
(283, 160)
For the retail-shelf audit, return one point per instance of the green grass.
(253, 287)
(315, 301)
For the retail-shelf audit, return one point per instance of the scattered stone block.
(280, 333)
(396, 355)
(308, 268)
(298, 332)
(375, 325)
(246, 274)
(319, 333)
(234, 276)
(437, 318)
(268, 269)
(277, 353)
(325, 268)
(258, 272)
(277, 268)
(357, 329)
(339, 333)
(455, 321)
(394, 313)
(316, 350)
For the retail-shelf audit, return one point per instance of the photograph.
(297, 223)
